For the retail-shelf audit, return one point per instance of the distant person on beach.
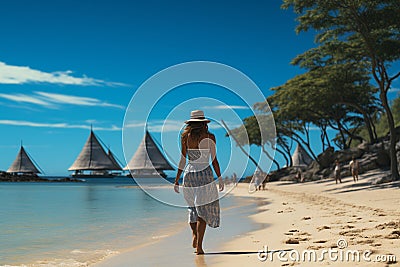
(226, 180)
(199, 188)
(354, 168)
(337, 172)
(264, 183)
(257, 180)
(234, 178)
(299, 176)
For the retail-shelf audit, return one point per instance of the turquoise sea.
(75, 224)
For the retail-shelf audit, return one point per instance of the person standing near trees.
(354, 168)
(337, 172)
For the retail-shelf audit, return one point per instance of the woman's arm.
(215, 162)
(182, 161)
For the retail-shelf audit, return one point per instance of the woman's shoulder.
(211, 136)
(184, 139)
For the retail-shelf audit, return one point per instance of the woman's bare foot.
(199, 251)
(194, 242)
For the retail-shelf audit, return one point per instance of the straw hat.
(197, 116)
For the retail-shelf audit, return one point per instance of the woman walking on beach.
(199, 189)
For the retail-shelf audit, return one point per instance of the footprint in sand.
(296, 240)
(292, 241)
(393, 235)
(320, 241)
(376, 244)
(314, 247)
(390, 225)
(365, 241)
(289, 209)
(354, 232)
(305, 233)
(306, 218)
(376, 236)
(325, 227)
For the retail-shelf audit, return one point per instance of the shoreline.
(176, 250)
(286, 217)
(290, 217)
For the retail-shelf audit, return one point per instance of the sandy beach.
(315, 215)
(345, 220)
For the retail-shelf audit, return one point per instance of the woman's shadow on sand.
(240, 252)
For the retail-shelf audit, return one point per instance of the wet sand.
(174, 248)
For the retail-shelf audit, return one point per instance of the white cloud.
(157, 126)
(26, 99)
(134, 124)
(23, 74)
(165, 126)
(51, 100)
(76, 100)
(226, 107)
(61, 125)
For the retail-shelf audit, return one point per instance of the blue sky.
(66, 65)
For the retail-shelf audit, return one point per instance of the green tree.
(250, 133)
(335, 96)
(370, 30)
(347, 80)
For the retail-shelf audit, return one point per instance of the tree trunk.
(284, 155)
(373, 128)
(341, 134)
(367, 120)
(287, 149)
(271, 158)
(323, 139)
(241, 148)
(392, 147)
(307, 145)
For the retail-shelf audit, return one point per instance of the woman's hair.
(196, 130)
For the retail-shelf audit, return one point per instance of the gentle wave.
(79, 258)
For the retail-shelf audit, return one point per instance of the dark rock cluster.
(8, 177)
(370, 157)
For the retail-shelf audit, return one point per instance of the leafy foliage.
(357, 41)
(362, 30)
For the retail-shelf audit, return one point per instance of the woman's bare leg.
(201, 229)
(193, 226)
